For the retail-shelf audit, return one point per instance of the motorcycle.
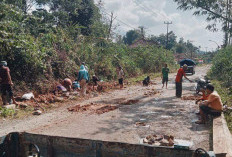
(201, 84)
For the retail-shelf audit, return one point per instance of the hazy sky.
(153, 13)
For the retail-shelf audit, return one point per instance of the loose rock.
(37, 112)
(159, 140)
(23, 106)
(12, 106)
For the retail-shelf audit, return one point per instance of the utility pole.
(191, 41)
(167, 23)
(142, 31)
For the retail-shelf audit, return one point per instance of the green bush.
(4, 112)
(221, 72)
(39, 50)
(222, 67)
(226, 96)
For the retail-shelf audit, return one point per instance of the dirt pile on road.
(105, 86)
(140, 124)
(151, 92)
(191, 97)
(129, 102)
(47, 99)
(93, 108)
(159, 140)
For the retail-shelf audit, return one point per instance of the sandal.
(198, 113)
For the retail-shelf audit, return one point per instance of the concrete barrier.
(52, 146)
(222, 139)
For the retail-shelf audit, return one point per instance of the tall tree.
(131, 36)
(162, 39)
(215, 10)
(73, 12)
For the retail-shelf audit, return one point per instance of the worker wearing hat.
(6, 82)
(179, 76)
(86, 67)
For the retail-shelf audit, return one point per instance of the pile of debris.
(159, 140)
(153, 83)
(191, 97)
(140, 124)
(48, 99)
(105, 86)
(129, 102)
(151, 92)
(38, 102)
(93, 108)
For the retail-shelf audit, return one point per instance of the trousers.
(178, 89)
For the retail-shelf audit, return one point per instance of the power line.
(144, 7)
(138, 4)
(119, 20)
(148, 9)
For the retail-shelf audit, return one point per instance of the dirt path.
(163, 112)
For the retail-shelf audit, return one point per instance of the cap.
(4, 63)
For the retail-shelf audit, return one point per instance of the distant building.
(200, 61)
(144, 42)
(180, 56)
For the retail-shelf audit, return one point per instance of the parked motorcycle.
(201, 84)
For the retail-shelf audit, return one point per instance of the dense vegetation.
(217, 13)
(221, 71)
(222, 67)
(42, 46)
(180, 46)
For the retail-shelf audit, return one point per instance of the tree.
(162, 39)
(186, 47)
(131, 36)
(73, 12)
(181, 48)
(214, 10)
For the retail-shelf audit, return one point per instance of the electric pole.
(191, 41)
(142, 31)
(167, 23)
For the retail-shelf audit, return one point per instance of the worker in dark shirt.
(6, 82)
(95, 80)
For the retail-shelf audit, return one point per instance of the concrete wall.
(73, 147)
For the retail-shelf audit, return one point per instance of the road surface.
(163, 113)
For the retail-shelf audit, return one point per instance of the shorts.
(208, 110)
(61, 88)
(120, 81)
(6, 88)
(165, 79)
(95, 83)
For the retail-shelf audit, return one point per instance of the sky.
(152, 13)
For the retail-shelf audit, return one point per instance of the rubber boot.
(4, 101)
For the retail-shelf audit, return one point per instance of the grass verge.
(4, 112)
(226, 96)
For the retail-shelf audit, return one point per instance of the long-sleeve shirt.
(5, 75)
(83, 74)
